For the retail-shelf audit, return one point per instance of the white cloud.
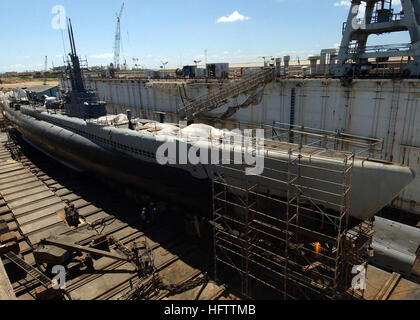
(347, 3)
(103, 56)
(235, 16)
(18, 66)
(342, 3)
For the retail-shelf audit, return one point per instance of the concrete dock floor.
(6, 289)
(404, 289)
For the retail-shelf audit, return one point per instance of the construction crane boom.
(117, 46)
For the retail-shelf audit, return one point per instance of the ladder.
(33, 272)
(393, 117)
(212, 101)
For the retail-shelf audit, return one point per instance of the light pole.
(265, 58)
(164, 69)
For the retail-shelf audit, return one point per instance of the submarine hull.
(78, 152)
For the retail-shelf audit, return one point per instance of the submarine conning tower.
(80, 102)
(379, 17)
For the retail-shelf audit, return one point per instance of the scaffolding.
(292, 247)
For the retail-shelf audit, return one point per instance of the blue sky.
(172, 30)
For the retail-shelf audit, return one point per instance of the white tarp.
(199, 130)
(112, 119)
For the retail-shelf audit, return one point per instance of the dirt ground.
(8, 84)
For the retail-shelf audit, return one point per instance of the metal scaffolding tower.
(291, 247)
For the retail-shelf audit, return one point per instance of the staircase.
(214, 100)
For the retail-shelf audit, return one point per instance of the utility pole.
(45, 71)
(164, 67)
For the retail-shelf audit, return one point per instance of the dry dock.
(34, 188)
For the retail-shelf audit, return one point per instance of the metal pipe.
(75, 247)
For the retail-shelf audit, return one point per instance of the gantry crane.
(379, 17)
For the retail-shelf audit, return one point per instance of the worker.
(88, 261)
(143, 214)
(330, 248)
(148, 214)
(153, 212)
(72, 216)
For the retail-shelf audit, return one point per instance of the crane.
(118, 40)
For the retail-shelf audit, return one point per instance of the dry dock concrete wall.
(386, 109)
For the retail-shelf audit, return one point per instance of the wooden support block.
(43, 293)
(311, 266)
(8, 237)
(4, 228)
(12, 246)
(389, 286)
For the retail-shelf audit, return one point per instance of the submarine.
(84, 137)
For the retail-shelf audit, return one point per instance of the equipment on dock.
(58, 251)
(72, 216)
(217, 70)
(68, 245)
